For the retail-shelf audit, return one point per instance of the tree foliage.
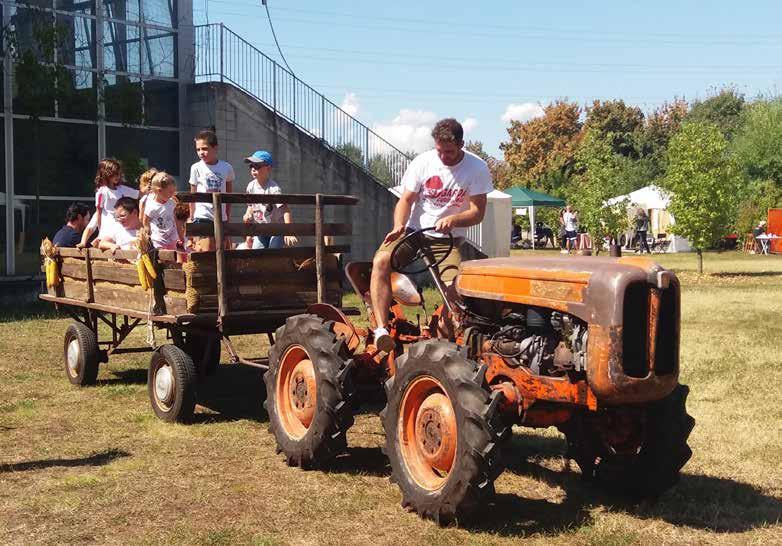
(542, 145)
(602, 178)
(500, 174)
(617, 123)
(703, 183)
(723, 110)
(758, 141)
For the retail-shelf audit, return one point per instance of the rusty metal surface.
(533, 387)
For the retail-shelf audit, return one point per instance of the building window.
(145, 148)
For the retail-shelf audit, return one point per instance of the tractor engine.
(547, 342)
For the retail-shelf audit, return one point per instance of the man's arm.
(473, 215)
(401, 215)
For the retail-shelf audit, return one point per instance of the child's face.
(165, 194)
(261, 172)
(128, 220)
(205, 152)
(115, 180)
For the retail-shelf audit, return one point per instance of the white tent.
(655, 201)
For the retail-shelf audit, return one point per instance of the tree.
(703, 184)
(543, 144)
(723, 110)
(652, 141)
(498, 168)
(601, 179)
(617, 122)
(351, 151)
(758, 141)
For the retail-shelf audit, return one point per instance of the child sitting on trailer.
(159, 213)
(125, 231)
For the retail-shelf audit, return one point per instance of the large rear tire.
(309, 391)
(654, 449)
(443, 432)
(81, 355)
(171, 384)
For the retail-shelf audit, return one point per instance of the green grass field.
(93, 465)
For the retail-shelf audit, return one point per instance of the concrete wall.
(302, 164)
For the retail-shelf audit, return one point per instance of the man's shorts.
(450, 266)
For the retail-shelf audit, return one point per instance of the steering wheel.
(417, 246)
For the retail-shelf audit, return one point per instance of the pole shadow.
(96, 459)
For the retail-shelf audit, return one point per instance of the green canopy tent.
(525, 197)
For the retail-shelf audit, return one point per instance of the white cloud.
(469, 125)
(350, 104)
(410, 130)
(522, 112)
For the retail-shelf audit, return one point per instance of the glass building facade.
(83, 80)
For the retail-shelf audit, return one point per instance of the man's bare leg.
(380, 291)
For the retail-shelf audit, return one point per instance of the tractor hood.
(588, 287)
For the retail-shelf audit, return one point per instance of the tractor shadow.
(233, 393)
(699, 502)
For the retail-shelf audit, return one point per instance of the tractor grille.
(651, 317)
(635, 359)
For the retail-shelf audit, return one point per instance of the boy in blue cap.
(260, 163)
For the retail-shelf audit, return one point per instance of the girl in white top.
(159, 213)
(107, 191)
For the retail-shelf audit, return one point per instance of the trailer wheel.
(443, 432)
(649, 460)
(171, 384)
(309, 391)
(81, 354)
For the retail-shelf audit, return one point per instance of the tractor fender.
(342, 324)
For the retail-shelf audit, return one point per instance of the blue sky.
(401, 65)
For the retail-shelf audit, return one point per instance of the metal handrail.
(222, 55)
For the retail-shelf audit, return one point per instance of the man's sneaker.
(384, 341)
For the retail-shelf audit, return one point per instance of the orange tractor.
(588, 345)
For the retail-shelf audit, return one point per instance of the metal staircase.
(224, 56)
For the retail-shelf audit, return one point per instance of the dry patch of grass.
(94, 465)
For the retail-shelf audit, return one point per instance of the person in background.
(125, 230)
(265, 213)
(641, 231)
(570, 221)
(76, 219)
(760, 229)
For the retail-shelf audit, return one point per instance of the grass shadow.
(136, 376)
(235, 392)
(96, 459)
(739, 274)
(365, 461)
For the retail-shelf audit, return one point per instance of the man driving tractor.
(444, 189)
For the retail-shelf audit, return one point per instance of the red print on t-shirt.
(434, 183)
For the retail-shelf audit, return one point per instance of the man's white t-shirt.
(210, 179)
(125, 239)
(571, 223)
(443, 190)
(105, 199)
(266, 213)
(162, 224)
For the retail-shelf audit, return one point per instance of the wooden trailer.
(199, 304)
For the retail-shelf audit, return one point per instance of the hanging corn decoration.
(51, 267)
(142, 274)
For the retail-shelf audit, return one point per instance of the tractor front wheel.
(638, 452)
(309, 391)
(443, 432)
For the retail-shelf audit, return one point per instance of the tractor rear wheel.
(309, 391)
(443, 432)
(637, 452)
